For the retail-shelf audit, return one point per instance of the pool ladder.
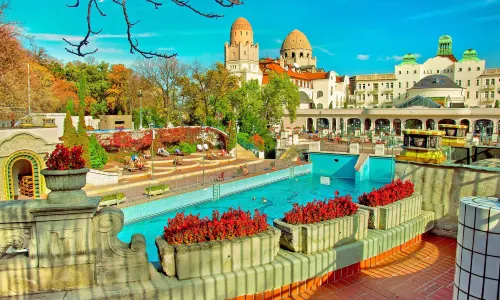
(292, 172)
(216, 192)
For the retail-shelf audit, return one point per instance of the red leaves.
(319, 211)
(258, 142)
(233, 223)
(63, 158)
(390, 193)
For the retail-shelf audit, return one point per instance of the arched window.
(246, 32)
(414, 71)
(399, 72)
(479, 68)
(319, 94)
(241, 32)
(469, 69)
(460, 70)
(293, 54)
(286, 55)
(301, 54)
(407, 72)
(319, 106)
(307, 55)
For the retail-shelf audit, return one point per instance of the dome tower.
(241, 55)
(444, 46)
(296, 49)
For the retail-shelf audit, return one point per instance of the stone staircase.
(243, 153)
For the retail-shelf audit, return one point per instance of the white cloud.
(166, 49)
(362, 57)
(399, 58)
(325, 51)
(279, 41)
(453, 9)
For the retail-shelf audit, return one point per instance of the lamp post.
(237, 130)
(139, 94)
(153, 132)
(203, 147)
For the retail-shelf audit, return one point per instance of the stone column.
(478, 249)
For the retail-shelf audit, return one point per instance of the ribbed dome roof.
(296, 40)
(445, 38)
(436, 82)
(241, 24)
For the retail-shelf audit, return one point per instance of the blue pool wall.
(342, 166)
(157, 207)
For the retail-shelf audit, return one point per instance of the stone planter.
(216, 257)
(311, 238)
(66, 185)
(157, 192)
(451, 131)
(394, 214)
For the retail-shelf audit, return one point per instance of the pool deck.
(185, 180)
(422, 271)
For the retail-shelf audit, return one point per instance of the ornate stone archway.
(29, 145)
(37, 165)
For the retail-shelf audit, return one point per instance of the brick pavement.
(422, 271)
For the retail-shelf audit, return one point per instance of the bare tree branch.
(134, 43)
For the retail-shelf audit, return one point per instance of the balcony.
(388, 91)
(487, 100)
(360, 91)
(487, 87)
(373, 92)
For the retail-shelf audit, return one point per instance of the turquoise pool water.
(280, 197)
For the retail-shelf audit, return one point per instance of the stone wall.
(442, 187)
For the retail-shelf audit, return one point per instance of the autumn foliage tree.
(116, 94)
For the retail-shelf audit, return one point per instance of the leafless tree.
(77, 48)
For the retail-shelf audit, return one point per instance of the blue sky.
(349, 37)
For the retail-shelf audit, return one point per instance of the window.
(392, 85)
(234, 53)
(244, 53)
(399, 84)
(477, 95)
(307, 55)
(407, 84)
(246, 32)
(460, 70)
(479, 68)
(286, 55)
(469, 69)
(386, 96)
(460, 82)
(387, 85)
(319, 94)
(364, 86)
(331, 90)
(487, 81)
(319, 106)
(414, 71)
(364, 97)
(477, 82)
(241, 32)
(368, 84)
(468, 82)
(119, 122)
(486, 95)
(437, 71)
(392, 97)
(492, 81)
(359, 86)
(468, 95)
(399, 72)
(492, 94)
(293, 54)
(301, 55)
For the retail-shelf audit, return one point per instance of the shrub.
(63, 158)
(157, 187)
(319, 211)
(187, 148)
(390, 193)
(69, 135)
(233, 223)
(113, 196)
(330, 106)
(98, 156)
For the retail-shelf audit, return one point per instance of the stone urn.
(66, 185)
(419, 141)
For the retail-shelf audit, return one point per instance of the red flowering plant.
(390, 193)
(190, 229)
(63, 158)
(320, 211)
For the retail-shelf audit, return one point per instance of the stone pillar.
(362, 127)
(478, 249)
(354, 148)
(380, 149)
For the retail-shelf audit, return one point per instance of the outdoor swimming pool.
(280, 196)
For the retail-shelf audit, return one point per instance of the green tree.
(69, 135)
(497, 104)
(279, 93)
(98, 156)
(83, 139)
(330, 106)
(82, 91)
(231, 128)
(248, 105)
(70, 106)
(345, 104)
